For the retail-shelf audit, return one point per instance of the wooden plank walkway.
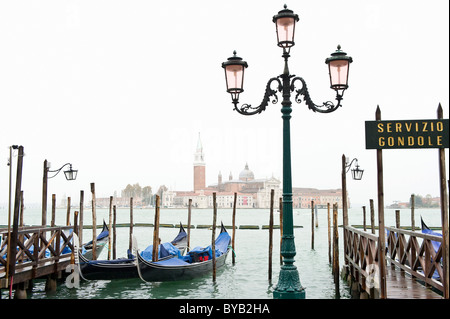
(400, 285)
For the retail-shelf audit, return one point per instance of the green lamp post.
(289, 286)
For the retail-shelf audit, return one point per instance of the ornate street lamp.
(289, 282)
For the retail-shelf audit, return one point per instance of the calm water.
(247, 279)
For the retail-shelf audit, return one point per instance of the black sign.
(407, 134)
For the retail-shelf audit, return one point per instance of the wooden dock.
(42, 252)
(400, 285)
(405, 272)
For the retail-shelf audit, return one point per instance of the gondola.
(102, 239)
(436, 245)
(195, 264)
(427, 230)
(124, 268)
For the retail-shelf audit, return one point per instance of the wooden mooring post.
(15, 227)
(130, 241)
(372, 217)
(189, 225)
(444, 212)
(53, 220)
(316, 218)
(156, 231)
(381, 229)
(94, 224)
(213, 240)
(335, 248)
(364, 218)
(329, 232)
(80, 235)
(110, 227)
(413, 207)
(68, 212)
(312, 224)
(233, 255)
(114, 232)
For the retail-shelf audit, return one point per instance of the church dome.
(246, 175)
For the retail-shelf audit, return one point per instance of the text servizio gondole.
(407, 134)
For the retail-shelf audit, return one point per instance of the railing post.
(444, 213)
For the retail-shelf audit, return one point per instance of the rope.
(230, 247)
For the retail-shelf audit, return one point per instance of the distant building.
(251, 192)
(302, 197)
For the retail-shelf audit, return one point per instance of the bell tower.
(199, 167)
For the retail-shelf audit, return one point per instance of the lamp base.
(289, 286)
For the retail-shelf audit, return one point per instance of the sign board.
(407, 134)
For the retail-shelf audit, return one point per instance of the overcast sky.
(121, 89)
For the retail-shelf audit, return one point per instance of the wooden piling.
(156, 231)
(44, 193)
(94, 224)
(413, 206)
(53, 220)
(233, 257)
(364, 218)
(381, 229)
(80, 235)
(15, 228)
(329, 232)
(75, 222)
(22, 206)
(312, 224)
(272, 193)
(9, 206)
(372, 217)
(130, 241)
(110, 226)
(213, 244)
(335, 248)
(68, 212)
(444, 213)
(316, 213)
(397, 218)
(189, 225)
(114, 231)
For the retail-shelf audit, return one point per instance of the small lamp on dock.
(357, 173)
(71, 174)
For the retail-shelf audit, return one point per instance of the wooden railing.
(414, 253)
(361, 256)
(39, 251)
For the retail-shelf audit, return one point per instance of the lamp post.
(70, 175)
(357, 174)
(289, 286)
